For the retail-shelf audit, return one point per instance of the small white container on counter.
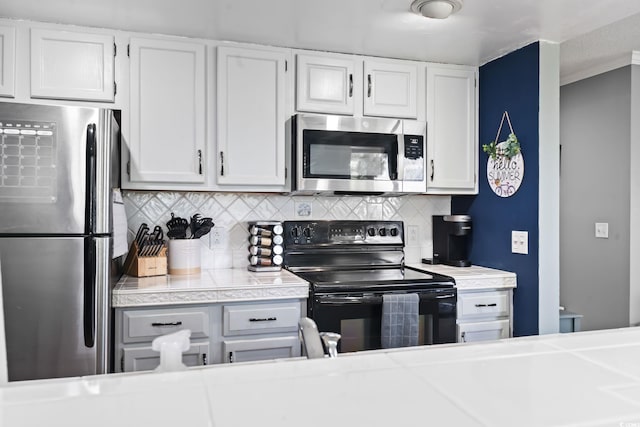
(184, 256)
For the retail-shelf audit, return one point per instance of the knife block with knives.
(147, 254)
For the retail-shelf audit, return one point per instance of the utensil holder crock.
(184, 256)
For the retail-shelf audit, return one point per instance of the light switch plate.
(602, 230)
(519, 242)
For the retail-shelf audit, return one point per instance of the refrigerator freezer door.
(43, 286)
(43, 178)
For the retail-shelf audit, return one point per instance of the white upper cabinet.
(8, 60)
(167, 111)
(326, 84)
(251, 115)
(71, 65)
(452, 130)
(391, 88)
(353, 85)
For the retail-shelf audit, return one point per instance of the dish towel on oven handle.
(399, 320)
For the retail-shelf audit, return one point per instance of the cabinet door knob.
(222, 163)
(433, 168)
(368, 85)
(200, 162)
(350, 85)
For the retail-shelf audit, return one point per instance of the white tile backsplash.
(232, 210)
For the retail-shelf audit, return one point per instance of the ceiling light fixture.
(438, 9)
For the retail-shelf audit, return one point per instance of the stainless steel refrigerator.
(58, 167)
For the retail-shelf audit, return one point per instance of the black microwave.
(344, 155)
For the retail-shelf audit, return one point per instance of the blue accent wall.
(509, 83)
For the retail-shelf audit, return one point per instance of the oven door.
(357, 318)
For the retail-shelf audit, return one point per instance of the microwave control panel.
(413, 146)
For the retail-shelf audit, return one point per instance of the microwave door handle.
(396, 171)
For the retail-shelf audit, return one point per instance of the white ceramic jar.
(184, 256)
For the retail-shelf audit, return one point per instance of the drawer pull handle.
(178, 323)
(262, 319)
(487, 305)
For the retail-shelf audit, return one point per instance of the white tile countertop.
(474, 277)
(580, 379)
(210, 286)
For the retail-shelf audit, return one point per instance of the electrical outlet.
(519, 242)
(218, 237)
(303, 209)
(602, 230)
(412, 235)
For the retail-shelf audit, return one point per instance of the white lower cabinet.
(484, 315)
(136, 328)
(220, 332)
(146, 359)
(259, 331)
(483, 331)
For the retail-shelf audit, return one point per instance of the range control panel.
(329, 233)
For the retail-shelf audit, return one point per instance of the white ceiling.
(481, 31)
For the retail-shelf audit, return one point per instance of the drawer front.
(483, 304)
(260, 318)
(252, 350)
(483, 331)
(145, 325)
(146, 359)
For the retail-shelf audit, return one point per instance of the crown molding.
(621, 61)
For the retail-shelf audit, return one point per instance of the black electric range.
(350, 266)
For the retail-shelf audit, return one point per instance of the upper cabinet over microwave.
(351, 85)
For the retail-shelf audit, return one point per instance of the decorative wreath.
(508, 148)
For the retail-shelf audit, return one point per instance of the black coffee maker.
(451, 239)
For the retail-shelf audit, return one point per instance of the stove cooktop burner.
(374, 279)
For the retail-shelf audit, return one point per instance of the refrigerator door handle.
(89, 292)
(91, 179)
(102, 197)
(102, 302)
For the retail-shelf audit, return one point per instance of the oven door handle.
(345, 300)
(375, 299)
